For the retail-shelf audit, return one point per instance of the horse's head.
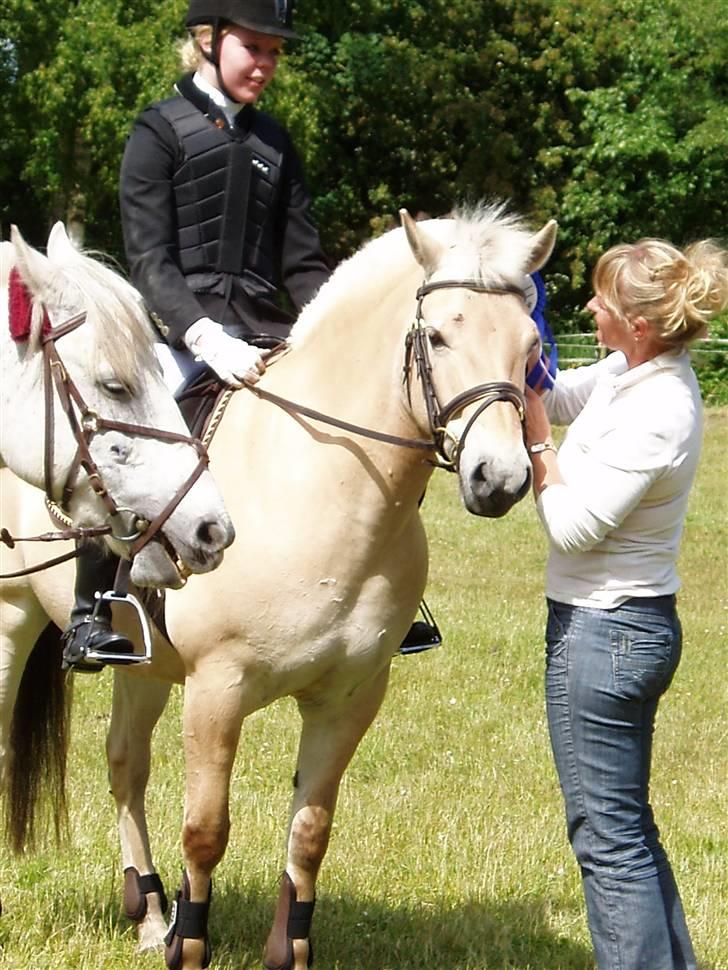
(475, 333)
(109, 371)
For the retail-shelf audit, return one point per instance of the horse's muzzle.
(491, 489)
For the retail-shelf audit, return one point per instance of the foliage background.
(609, 115)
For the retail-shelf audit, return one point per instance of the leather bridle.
(438, 415)
(123, 524)
(416, 348)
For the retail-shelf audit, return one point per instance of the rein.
(83, 427)
(416, 345)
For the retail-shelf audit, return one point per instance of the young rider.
(216, 220)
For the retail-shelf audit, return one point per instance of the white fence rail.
(581, 348)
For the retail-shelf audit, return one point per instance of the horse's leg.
(329, 738)
(213, 715)
(137, 706)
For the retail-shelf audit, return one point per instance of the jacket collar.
(670, 362)
(204, 103)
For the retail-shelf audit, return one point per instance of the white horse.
(118, 458)
(120, 452)
(331, 560)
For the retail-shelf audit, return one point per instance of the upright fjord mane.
(482, 243)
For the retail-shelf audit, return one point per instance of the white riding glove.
(235, 362)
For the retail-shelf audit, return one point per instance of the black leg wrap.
(299, 920)
(136, 890)
(292, 921)
(188, 922)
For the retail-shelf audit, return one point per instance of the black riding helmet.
(273, 17)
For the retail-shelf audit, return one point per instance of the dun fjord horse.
(331, 558)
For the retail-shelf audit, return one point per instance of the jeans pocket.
(644, 662)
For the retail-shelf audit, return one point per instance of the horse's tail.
(39, 736)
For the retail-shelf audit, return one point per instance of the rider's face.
(248, 61)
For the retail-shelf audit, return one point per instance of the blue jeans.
(605, 673)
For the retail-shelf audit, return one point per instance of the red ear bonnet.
(20, 306)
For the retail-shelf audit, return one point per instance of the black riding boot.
(95, 570)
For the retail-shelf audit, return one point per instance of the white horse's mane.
(481, 242)
(121, 333)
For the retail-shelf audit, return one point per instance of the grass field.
(449, 850)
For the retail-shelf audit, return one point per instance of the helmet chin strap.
(214, 56)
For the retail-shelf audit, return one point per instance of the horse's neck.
(350, 369)
(21, 410)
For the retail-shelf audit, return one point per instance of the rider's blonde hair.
(190, 52)
(676, 291)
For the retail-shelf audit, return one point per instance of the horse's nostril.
(211, 534)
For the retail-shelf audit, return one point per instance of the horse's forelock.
(500, 243)
(482, 242)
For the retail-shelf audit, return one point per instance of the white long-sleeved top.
(628, 461)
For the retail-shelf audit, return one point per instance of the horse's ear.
(33, 266)
(426, 250)
(59, 245)
(542, 246)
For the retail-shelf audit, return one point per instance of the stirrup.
(105, 657)
(427, 634)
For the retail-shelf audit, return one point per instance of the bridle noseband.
(417, 347)
(123, 524)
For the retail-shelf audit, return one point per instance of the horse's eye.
(437, 341)
(116, 389)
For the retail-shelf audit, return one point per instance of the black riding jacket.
(216, 218)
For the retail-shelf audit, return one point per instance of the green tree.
(609, 115)
(78, 73)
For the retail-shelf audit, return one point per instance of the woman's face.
(612, 331)
(248, 61)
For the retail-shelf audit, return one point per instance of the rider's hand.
(235, 362)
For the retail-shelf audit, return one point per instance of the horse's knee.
(309, 837)
(126, 775)
(204, 842)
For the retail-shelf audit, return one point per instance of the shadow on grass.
(349, 934)
(361, 934)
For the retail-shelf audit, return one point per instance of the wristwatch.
(540, 446)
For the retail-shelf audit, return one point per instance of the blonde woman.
(613, 503)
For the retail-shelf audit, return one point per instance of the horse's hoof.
(151, 938)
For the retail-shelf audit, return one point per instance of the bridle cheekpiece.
(448, 447)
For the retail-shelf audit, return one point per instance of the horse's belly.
(288, 633)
